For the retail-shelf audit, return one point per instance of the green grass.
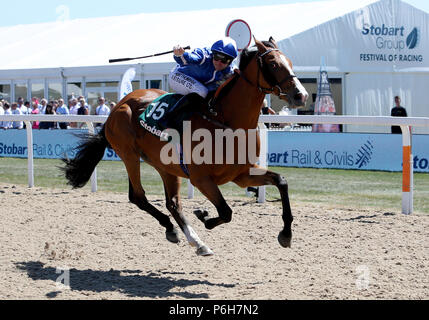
(342, 187)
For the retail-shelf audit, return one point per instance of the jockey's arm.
(195, 57)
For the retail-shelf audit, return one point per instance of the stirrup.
(213, 112)
(212, 105)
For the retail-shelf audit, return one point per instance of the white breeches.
(183, 84)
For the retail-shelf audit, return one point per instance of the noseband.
(275, 87)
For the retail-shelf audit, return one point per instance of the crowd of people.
(76, 106)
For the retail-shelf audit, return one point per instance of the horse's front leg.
(262, 177)
(213, 194)
(173, 203)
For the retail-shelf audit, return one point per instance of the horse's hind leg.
(271, 178)
(173, 203)
(137, 196)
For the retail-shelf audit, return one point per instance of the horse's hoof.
(285, 241)
(201, 215)
(204, 251)
(172, 236)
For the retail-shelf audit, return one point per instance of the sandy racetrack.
(115, 251)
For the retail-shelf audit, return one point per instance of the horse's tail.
(78, 171)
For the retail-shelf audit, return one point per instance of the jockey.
(201, 72)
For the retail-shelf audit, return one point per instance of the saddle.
(157, 116)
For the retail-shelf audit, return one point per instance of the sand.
(72, 244)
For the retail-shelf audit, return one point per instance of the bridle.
(275, 87)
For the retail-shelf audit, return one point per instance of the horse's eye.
(273, 65)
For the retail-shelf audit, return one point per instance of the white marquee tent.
(382, 50)
(92, 42)
(56, 54)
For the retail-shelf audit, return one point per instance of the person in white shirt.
(21, 105)
(102, 109)
(74, 106)
(43, 104)
(1, 113)
(62, 109)
(7, 124)
(17, 111)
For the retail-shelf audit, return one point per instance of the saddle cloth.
(152, 118)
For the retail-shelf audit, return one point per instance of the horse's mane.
(249, 53)
(246, 56)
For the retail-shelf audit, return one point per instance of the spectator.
(266, 110)
(35, 110)
(28, 106)
(7, 124)
(35, 99)
(82, 102)
(62, 109)
(54, 104)
(1, 113)
(112, 105)
(398, 111)
(83, 109)
(21, 106)
(74, 106)
(45, 124)
(42, 106)
(102, 109)
(16, 111)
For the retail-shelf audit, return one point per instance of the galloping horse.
(263, 69)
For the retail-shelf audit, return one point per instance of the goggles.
(222, 57)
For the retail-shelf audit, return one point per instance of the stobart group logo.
(393, 38)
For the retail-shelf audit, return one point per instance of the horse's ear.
(261, 47)
(273, 42)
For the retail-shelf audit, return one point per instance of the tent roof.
(92, 42)
(347, 48)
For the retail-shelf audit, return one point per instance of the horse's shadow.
(129, 282)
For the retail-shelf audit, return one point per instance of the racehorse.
(263, 69)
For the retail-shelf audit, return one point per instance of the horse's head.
(277, 74)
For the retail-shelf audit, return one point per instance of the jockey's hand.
(178, 51)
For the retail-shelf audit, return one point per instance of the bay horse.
(263, 69)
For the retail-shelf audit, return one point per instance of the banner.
(385, 36)
(46, 144)
(357, 151)
(126, 83)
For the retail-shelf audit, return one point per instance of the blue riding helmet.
(226, 46)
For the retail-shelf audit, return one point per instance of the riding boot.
(212, 109)
(186, 103)
(212, 103)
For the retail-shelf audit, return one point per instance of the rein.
(274, 88)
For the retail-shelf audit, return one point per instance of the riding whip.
(150, 56)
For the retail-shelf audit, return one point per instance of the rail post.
(30, 166)
(407, 171)
(263, 133)
(94, 186)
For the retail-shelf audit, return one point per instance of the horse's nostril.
(300, 97)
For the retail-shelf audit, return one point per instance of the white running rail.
(404, 123)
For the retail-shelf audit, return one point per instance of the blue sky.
(25, 11)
